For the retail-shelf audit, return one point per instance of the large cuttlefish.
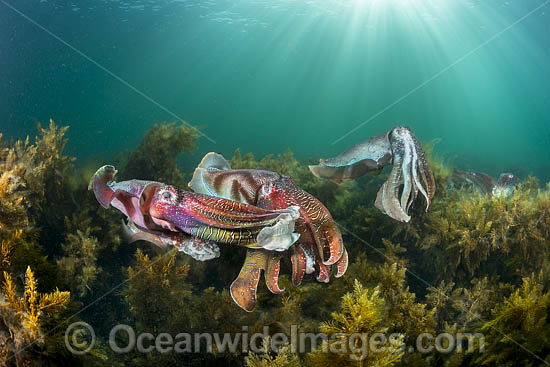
(398, 147)
(319, 246)
(194, 223)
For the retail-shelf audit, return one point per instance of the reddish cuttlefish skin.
(320, 242)
(165, 211)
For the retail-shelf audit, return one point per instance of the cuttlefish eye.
(267, 190)
(167, 195)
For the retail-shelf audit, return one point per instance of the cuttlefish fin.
(243, 289)
(211, 161)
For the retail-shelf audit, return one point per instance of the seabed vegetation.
(470, 264)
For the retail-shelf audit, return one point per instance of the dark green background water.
(264, 75)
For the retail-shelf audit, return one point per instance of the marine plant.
(466, 265)
(35, 191)
(359, 317)
(468, 234)
(283, 358)
(156, 156)
(161, 299)
(13, 213)
(34, 176)
(518, 333)
(78, 267)
(22, 338)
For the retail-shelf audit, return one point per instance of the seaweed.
(21, 335)
(156, 157)
(468, 234)
(360, 314)
(518, 334)
(465, 265)
(161, 299)
(475, 247)
(283, 358)
(79, 267)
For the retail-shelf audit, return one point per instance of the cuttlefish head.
(215, 177)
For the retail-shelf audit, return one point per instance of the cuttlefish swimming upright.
(398, 147)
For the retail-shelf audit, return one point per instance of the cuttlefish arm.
(315, 219)
(244, 288)
(398, 147)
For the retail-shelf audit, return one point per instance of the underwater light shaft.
(248, 71)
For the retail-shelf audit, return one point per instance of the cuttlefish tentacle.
(422, 178)
(399, 147)
(426, 176)
(324, 273)
(406, 170)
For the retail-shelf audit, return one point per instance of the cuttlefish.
(410, 174)
(166, 215)
(320, 246)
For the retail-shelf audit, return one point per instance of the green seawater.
(264, 76)
(316, 76)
